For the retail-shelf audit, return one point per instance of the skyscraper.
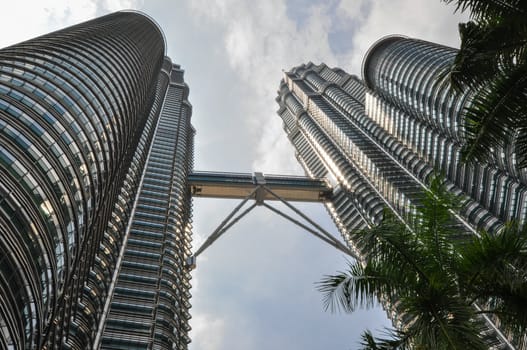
(96, 146)
(150, 297)
(382, 137)
(88, 115)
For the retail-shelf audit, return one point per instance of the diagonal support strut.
(316, 230)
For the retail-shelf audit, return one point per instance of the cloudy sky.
(254, 288)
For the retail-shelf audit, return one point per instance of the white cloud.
(116, 5)
(25, 21)
(427, 20)
(208, 331)
(256, 40)
(233, 52)
(259, 41)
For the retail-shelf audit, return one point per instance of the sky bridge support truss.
(261, 189)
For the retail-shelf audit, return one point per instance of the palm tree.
(493, 269)
(432, 280)
(492, 63)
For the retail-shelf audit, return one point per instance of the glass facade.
(96, 149)
(79, 110)
(405, 99)
(380, 138)
(149, 307)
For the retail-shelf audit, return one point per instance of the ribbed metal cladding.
(359, 150)
(331, 119)
(351, 134)
(73, 105)
(91, 309)
(150, 302)
(406, 101)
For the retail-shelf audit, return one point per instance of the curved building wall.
(150, 301)
(73, 105)
(406, 100)
(388, 167)
(343, 130)
(405, 72)
(91, 310)
(330, 114)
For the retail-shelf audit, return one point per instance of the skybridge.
(240, 185)
(263, 188)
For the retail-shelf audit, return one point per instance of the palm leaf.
(394, 340)
(495, 112)
(475, 62)
(488, 9)
(494, 269)
(391, 241)
(346, 290)
(486, 50)
(432, 282)
(442, 319)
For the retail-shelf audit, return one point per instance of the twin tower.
(96, 171)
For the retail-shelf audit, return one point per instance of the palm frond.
(494, 270)
(487, 48)
(391, 241)
(393, 340)
(511, 310)
(442, 319)
(492, 64)
(488, 9)
(488, 257)
(496, 110)
(476, 60)
(347, 290)
(432, 282)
